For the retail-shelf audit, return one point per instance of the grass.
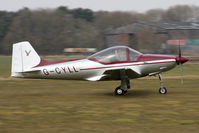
(37, 106)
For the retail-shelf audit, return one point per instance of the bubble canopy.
(117, 54)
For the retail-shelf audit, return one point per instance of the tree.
(195, 10)
(19, 23)
(154, 15)
(85, 14)
(52, 30)
(6, 19)
(62, 9)
(106, 20)
(178, 13)
(49, 31)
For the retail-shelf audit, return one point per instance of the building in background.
(156, 36)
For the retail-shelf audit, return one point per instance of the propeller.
(180, 63)
(180, 60)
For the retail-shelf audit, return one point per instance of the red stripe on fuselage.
(46, 63)
(151, 57)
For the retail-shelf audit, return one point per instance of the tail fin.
(24, 57)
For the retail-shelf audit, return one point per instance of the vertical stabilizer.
(24, 57)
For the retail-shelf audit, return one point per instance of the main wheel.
(119, 91)
(162, 90)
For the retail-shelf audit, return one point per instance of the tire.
(119, 91)
(162, 90)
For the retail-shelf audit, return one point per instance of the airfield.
(67, 106)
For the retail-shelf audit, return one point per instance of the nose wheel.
(162, 89)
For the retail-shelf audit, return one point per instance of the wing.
(114, 74)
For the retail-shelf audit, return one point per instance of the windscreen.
(116, 54)
(113, 54)
(133, 54)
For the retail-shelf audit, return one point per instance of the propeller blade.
(181, 74)
(180, 55)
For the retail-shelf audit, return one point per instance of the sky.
(96, 5)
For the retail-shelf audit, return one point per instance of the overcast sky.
(108, 5)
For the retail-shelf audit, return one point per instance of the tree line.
(52, 30)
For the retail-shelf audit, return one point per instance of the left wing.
(114, 74)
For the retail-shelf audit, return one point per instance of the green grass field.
(63, 106)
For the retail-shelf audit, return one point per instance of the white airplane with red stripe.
(114, 63)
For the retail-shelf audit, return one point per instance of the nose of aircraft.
(181, 59)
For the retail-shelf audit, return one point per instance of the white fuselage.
(85, 69)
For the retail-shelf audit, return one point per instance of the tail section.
(24, 57)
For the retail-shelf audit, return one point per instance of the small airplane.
(114, 63)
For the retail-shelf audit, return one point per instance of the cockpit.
(117, 54)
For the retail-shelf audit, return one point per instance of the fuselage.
(84, 69)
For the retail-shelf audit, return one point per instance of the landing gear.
(119, 91)
(162, 89)
(125, 84)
